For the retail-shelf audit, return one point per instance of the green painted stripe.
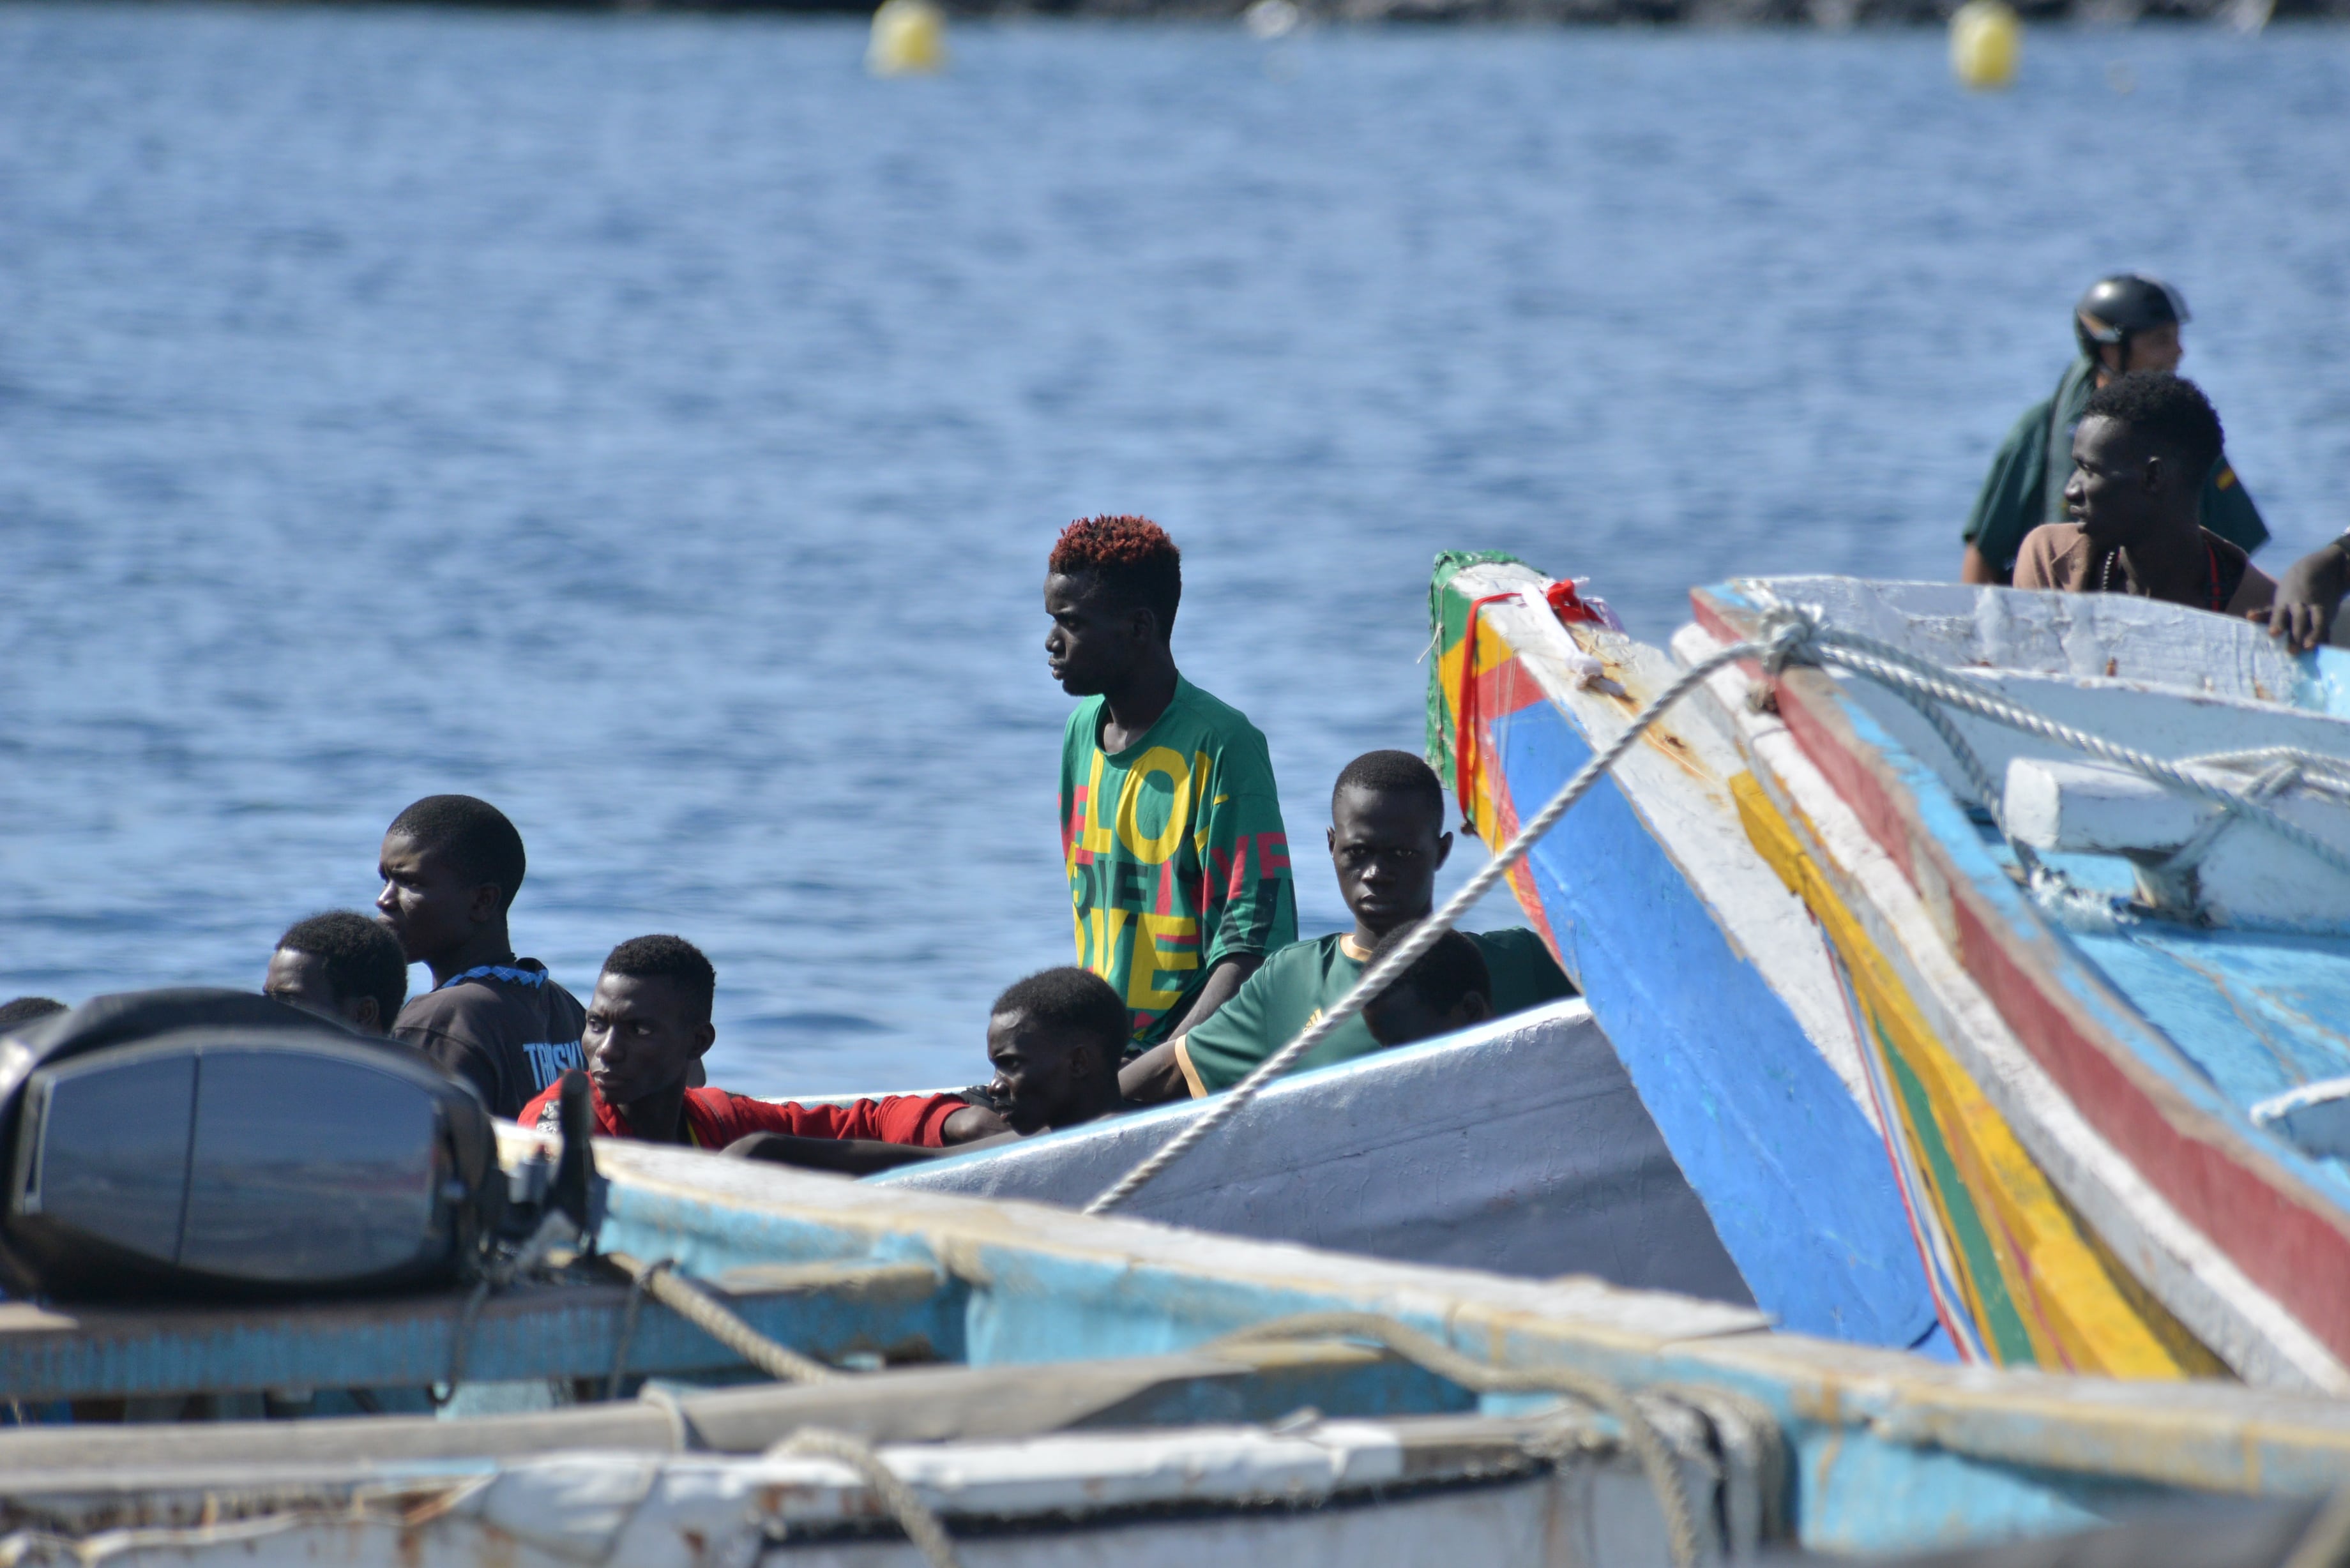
(2005, 1325)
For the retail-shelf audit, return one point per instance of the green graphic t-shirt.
(1297, 982)
(1175, 850)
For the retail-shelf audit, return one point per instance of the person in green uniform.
(2128, 322)
(1386, 843)
(1171, 825)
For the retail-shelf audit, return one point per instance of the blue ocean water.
(656, 425)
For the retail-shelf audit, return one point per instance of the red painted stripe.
(1856, 784)
(1520, 875)
(1503, 689)
(2296, 1250)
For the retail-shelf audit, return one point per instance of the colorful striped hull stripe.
(2038, 1287)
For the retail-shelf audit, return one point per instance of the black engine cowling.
(173, 1144)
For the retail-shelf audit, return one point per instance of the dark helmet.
(2116, 308)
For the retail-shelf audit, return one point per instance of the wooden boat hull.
(2102, 1202)
(1705, 974)
(1399, 1492)
(1518, 1146)
(1879, 1450)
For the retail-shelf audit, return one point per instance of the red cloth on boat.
(715, 1118)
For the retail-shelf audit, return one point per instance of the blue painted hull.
(1793, 1175)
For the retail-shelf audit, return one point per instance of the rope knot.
(1788, 633)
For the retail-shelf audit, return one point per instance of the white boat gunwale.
(1978, 912)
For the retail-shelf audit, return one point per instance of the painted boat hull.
(1394, 1493)
(1704, 972)
(1881, 1451)
(2103, 1201)
(1518, 1146)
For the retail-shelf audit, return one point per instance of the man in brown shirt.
(2139, 457)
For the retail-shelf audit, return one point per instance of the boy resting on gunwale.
(648, 1026)
(1053, 1039)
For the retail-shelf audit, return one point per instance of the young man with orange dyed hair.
(1170, 825)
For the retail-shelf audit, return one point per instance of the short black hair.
(471, 833)
(1392, 773)
(24, 1009)
(672, 959)
(1076, 999)
(2168, 414)
(1130, 558)
(1441, 976)
(362, 956)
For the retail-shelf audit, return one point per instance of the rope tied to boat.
(1790, 633)
(661, 1281)
(1803, 634)
(1384, 973)
(1640, 1434)
(916, 1518)
(639, 1281)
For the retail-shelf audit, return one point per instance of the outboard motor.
(184, 1143)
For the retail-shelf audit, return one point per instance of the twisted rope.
(1225, 1106)
(638, 1283)
(460, 1347)
(690, 1302)
(915, 1517)
(1901, 671)
(1640, 1434)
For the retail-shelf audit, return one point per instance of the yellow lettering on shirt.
(1109, 927)
(1153, 957)
(1161, 846)
(1202, 792)
(1091, 835)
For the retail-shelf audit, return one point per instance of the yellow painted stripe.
(2081, 1309)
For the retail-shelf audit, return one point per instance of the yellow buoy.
(1986, 40)
(909, 37)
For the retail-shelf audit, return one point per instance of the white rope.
(2190, 855)
(1406, 954)
(1899, 669)
(922, 1526)
(771, 1356)
(1640, 1434)
(1790, 633)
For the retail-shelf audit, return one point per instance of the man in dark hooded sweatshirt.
(450, 868)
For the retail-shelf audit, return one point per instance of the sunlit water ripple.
(656, 425)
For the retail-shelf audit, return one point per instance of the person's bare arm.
(844, 1155)
(2308, 595)
(1155, 1076)
(1975, 568)
(970, 1124)
(1223, 984)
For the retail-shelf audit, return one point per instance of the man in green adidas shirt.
(1171, 825)
(1386, 843)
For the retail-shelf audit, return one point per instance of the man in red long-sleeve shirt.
(647, 1024)
(1054, 1040)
